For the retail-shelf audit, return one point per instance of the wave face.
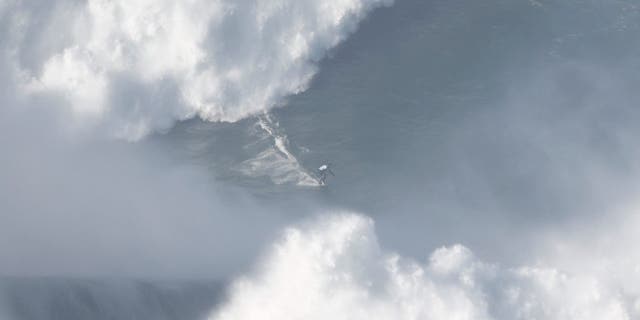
(137, 66)
(335, 269)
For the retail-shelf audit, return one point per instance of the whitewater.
(222, 60)
(159, 159)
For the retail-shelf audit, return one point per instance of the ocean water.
(484, 155)
(483, 113)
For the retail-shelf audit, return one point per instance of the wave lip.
(227, 59)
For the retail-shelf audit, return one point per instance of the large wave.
(135, 66)
(335, 269)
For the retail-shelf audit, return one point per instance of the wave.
(134, 67)
(335, 269)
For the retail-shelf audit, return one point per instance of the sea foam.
(136, 66)
(334, 268)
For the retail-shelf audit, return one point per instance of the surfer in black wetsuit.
(323, 171)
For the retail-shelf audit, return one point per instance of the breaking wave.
(138, 66)
(335, 269)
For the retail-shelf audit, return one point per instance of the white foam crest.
(335, 269)
(224, 59)
(276, 161)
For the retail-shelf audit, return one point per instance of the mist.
(99, 208)
(81, 206)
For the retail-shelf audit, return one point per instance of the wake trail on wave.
(276, 162)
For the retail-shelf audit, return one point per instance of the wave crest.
(226, 59)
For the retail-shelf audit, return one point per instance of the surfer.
(323, 171)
